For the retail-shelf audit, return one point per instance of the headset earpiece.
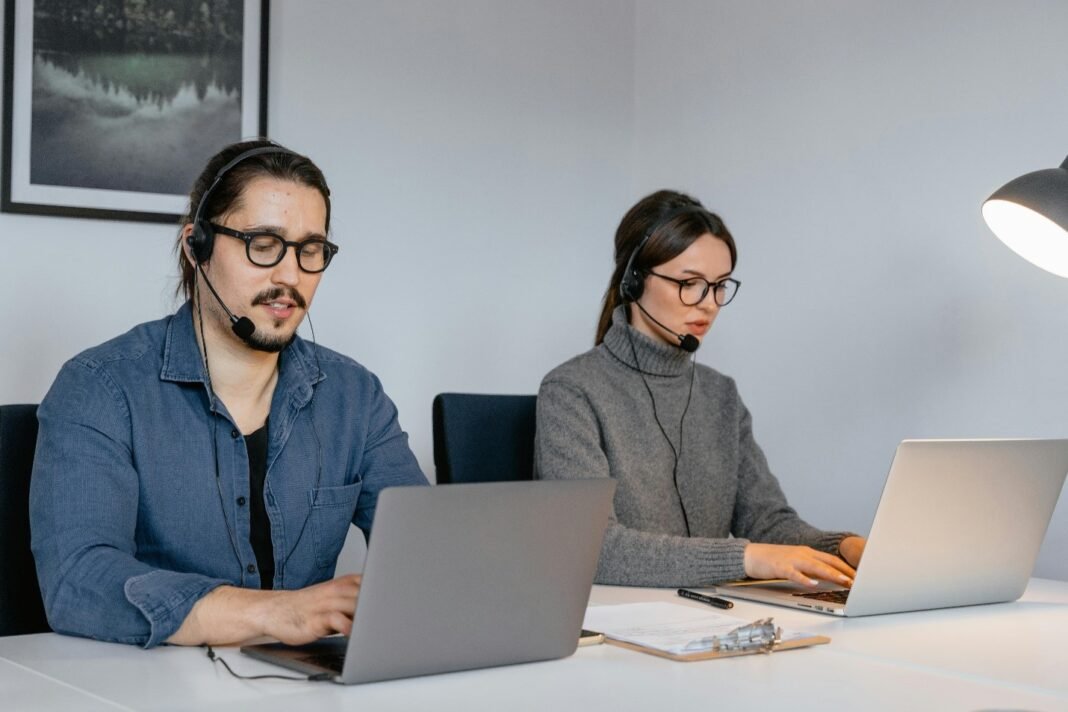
(201, 241)
(632, 284)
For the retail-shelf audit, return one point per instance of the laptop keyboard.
(330, 661)
(838, 596)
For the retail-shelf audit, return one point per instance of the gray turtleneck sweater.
(596, 419)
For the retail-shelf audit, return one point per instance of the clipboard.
(684, 634)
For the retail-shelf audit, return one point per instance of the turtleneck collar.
(654, 357)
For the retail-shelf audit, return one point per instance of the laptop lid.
(960, 522)
(475, 575)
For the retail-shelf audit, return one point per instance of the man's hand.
(800, 564)
(297, 617)
(230, 615)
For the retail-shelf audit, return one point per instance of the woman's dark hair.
(670, 233)
(228, 193)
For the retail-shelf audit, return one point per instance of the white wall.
(481, 154)
(476, 152)
(848, 145)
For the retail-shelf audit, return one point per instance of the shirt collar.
(636, 350)
(182, 362)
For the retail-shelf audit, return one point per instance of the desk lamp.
(1030, 215)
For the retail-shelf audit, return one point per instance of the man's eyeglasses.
(692, 291)
(265, 249)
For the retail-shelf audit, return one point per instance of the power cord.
(318, 677)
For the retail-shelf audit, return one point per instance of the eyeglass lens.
(695, 290)
(268, 250)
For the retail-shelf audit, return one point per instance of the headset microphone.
(632, 283)
(242, 326)
(202, 239)
(687, 342)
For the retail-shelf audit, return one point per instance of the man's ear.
(185, 237)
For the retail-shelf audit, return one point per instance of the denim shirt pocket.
(332, 509)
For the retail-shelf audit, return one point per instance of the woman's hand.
(800, 564)
(851, 549)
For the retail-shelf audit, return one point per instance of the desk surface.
(1007, 656)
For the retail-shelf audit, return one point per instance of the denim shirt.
(136, 515)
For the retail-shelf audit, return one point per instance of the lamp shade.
(1030, 215)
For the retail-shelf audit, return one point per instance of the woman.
(696, 503)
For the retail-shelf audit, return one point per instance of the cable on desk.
(318, 677)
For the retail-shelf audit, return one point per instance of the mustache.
(270, 295)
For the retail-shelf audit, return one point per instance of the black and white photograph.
(111, 106)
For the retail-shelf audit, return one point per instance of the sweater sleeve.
(761, 512)
(569, 445)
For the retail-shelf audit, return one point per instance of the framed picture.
(112, 107)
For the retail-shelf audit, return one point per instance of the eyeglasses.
(265, 249)
(692, 291)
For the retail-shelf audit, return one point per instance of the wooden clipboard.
(684, 633)
(715, 654)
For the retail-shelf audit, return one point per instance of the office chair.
(483, 438)
(21, 608)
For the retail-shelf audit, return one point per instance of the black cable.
(318, 677)
(215, 432)
(215, 447)
(318, 444)
(677, 453)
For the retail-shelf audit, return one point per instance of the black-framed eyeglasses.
(265, 249)
(693, 290)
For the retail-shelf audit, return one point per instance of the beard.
(274, 344)
(269, 344)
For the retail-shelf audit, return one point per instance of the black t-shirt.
(256, 444)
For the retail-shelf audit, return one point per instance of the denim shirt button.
(251, 568)
(240, 501)
(234, 434)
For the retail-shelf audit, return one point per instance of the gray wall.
(481, 154)
(849, 144)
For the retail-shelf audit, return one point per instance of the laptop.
(960, 523)
(466, 576)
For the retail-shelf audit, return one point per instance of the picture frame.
(112, 109)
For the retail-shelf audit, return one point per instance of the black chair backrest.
(483, 438)
(21, 609)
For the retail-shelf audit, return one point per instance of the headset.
(201, 244)
(632, 284)
(202, 241)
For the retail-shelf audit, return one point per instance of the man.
(195, 477)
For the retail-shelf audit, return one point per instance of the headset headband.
(630, 286)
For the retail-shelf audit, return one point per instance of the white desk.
(1009, 656)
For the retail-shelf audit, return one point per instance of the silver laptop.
(960, 523)
(466, 576)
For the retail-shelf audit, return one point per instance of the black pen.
(701, 598)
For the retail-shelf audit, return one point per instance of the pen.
(701, 598)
